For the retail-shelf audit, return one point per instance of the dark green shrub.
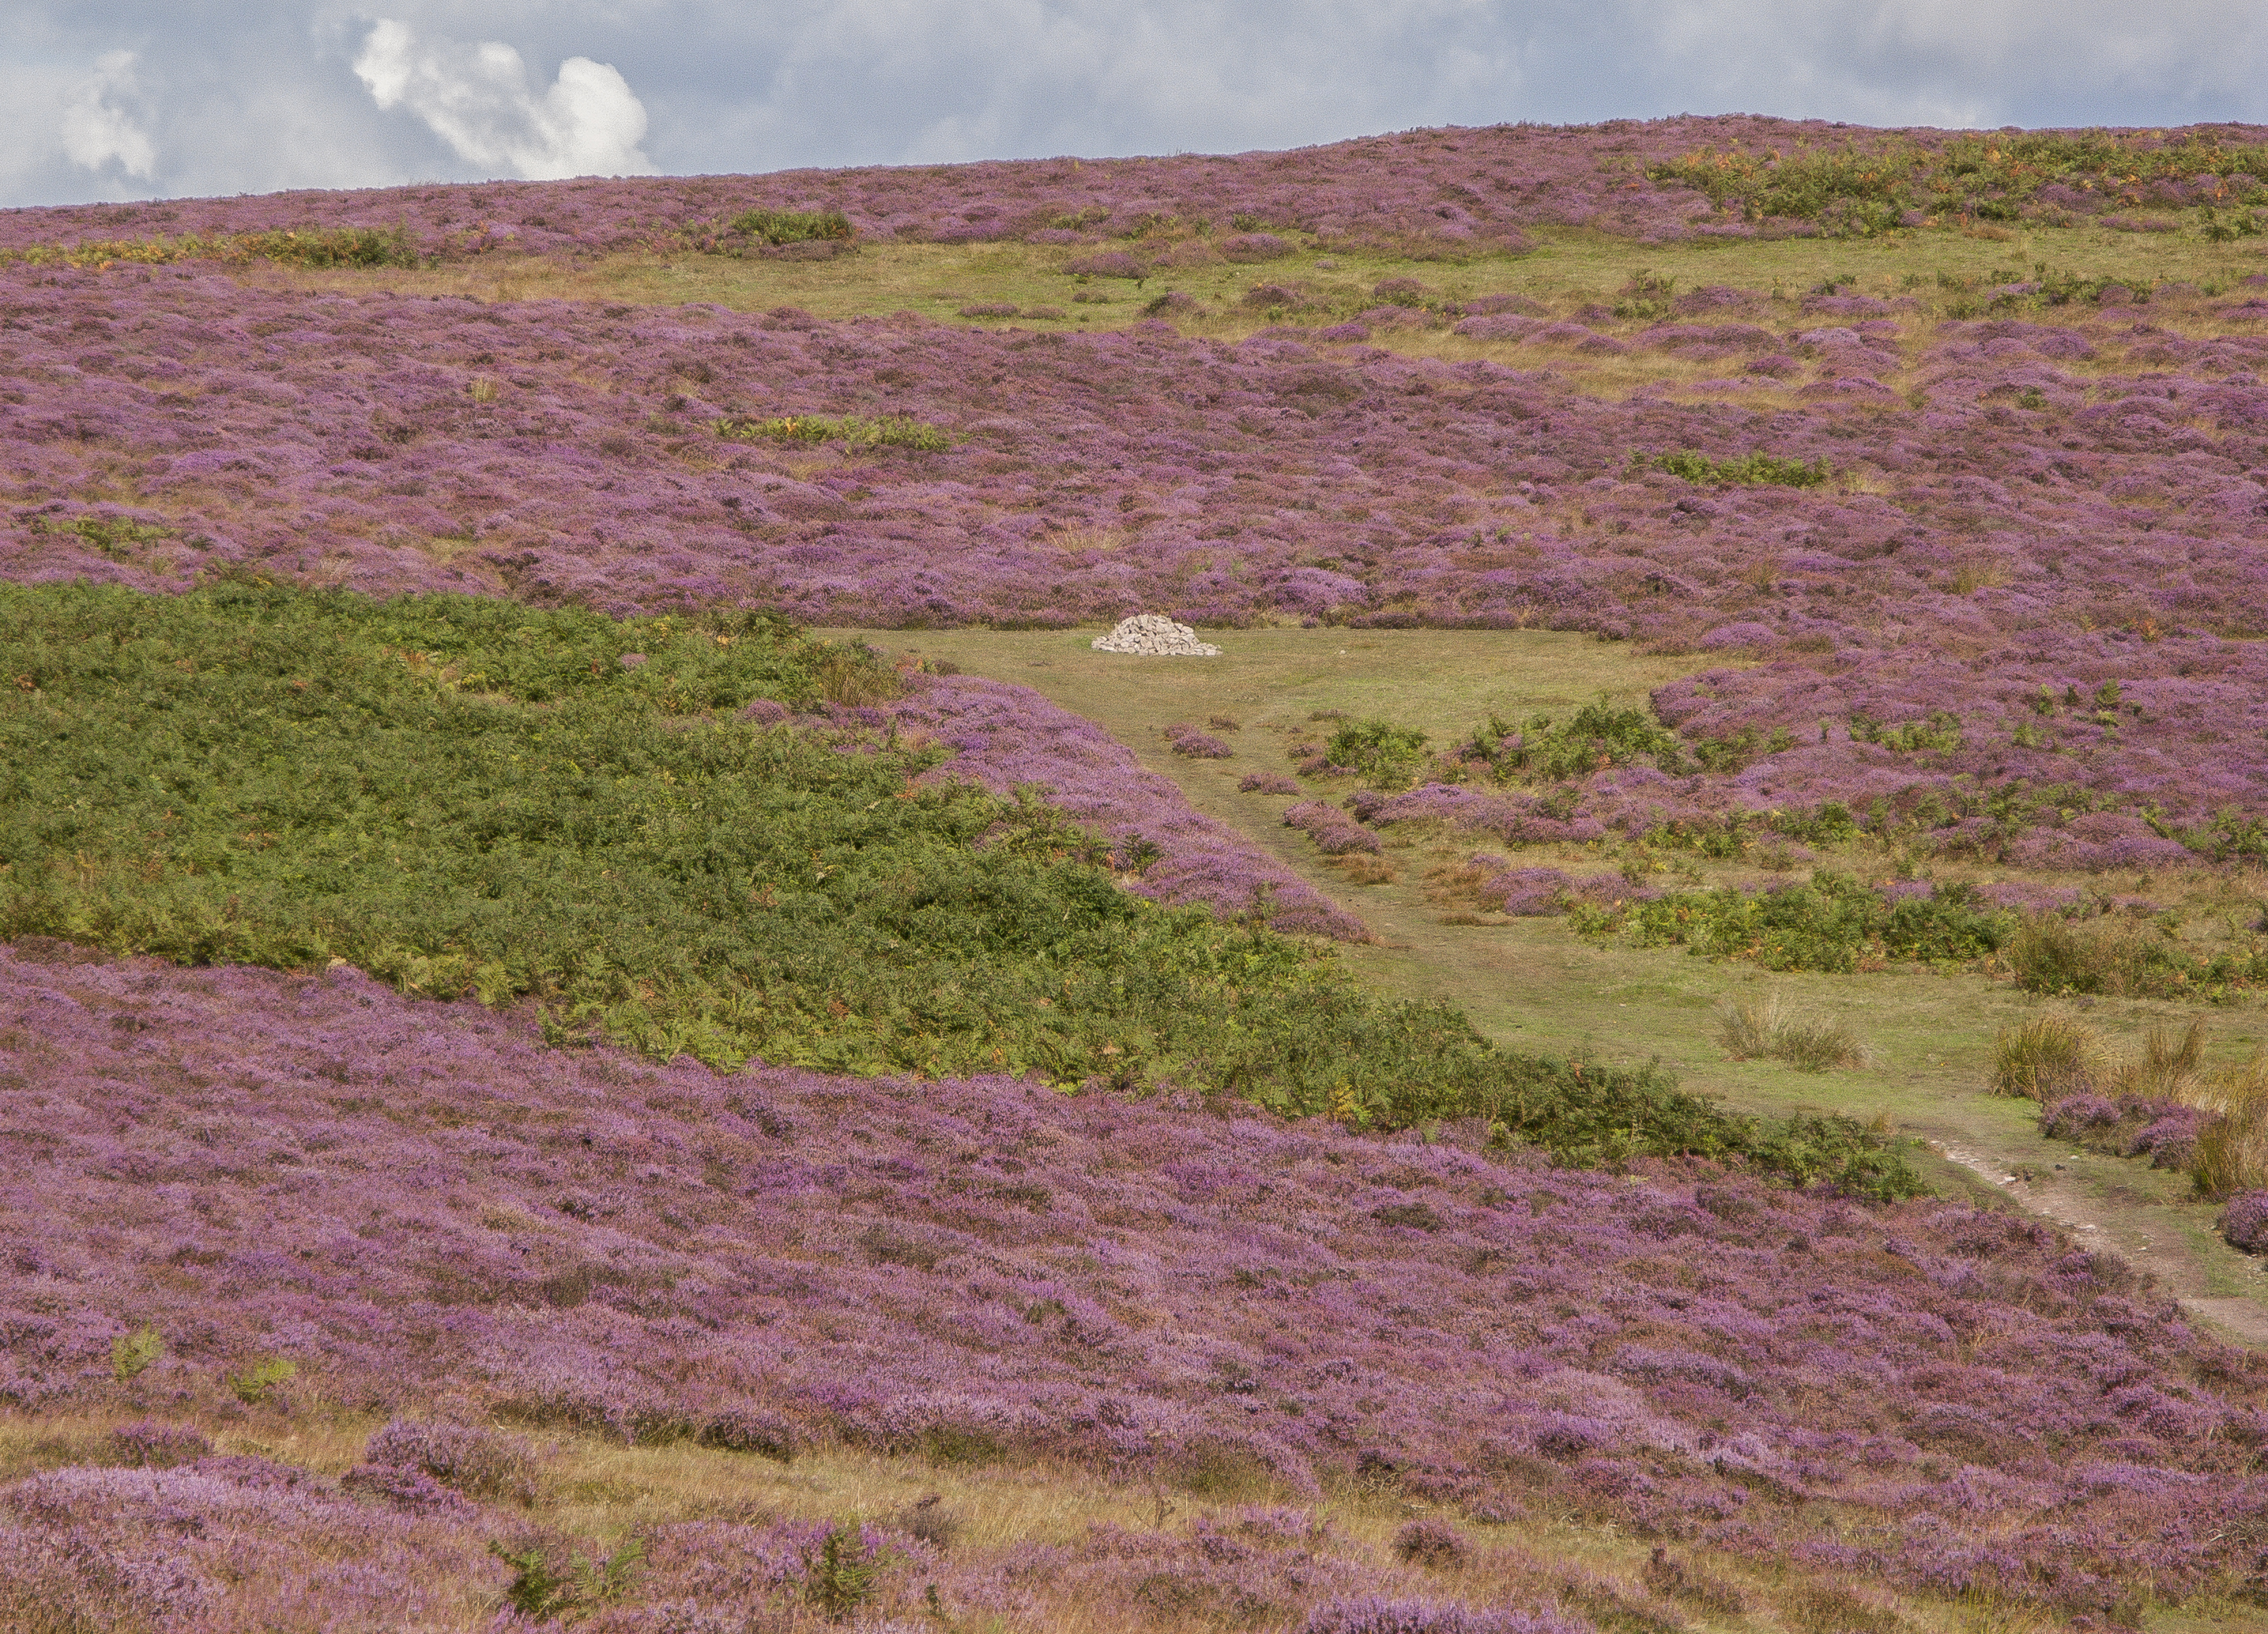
(538, 1589)
(1594, 738)
(544, 1592)
(1383, 754)
(1742, 471)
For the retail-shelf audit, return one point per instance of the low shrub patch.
(1830, 924)
(1752, 470)
(791, 226)
(2051, 954)
(1596, 737)
(884, 431)
(1383, 754)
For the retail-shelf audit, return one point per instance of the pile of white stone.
(1155, 635)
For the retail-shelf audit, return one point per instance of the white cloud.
(479, 100)
(96, 132)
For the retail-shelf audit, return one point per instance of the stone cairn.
(1155, 635)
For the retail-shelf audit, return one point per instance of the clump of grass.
(1767, 1030)
(2232, 1153)
(2053, 1059)
(2047, 1058)
(858, 430)
(2168, 1068)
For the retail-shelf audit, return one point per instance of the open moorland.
(609, 1017)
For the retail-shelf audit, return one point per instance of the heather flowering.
(1004, 737)
(1430, 193)
(1886, 656)
(2244, 1223)
(468, 1216)
(1334, 832)
(1372, 1614)
(1983, 579)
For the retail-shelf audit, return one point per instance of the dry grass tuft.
(2167, 1068)
(2232, 1155)
(1752, 1030)
(2047, 1057)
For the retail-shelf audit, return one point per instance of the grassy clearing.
(1537, 984)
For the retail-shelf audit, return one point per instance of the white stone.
(1155, 635)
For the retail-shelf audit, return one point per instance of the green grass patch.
(114, 536)
(469, 798)
(858, 430)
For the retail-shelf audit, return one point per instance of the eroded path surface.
(1533, 982)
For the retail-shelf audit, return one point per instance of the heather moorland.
(609, 1017)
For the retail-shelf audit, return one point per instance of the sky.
(135, 99)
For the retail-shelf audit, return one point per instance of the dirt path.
(1533, 983)
(2156, 1237)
